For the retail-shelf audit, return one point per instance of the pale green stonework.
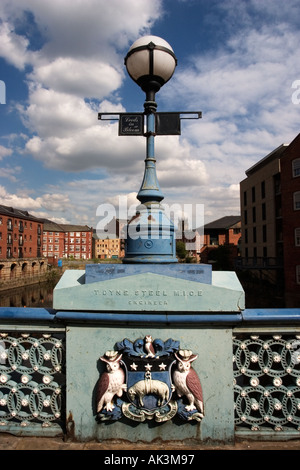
(213, 366)
(149, 292)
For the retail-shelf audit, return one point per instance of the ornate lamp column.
(150, 62)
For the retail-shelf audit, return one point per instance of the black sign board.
(131, 124)
(167, 124)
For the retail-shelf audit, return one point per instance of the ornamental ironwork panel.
(32, 379)
(267, 382)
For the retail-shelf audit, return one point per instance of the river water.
(35, 295)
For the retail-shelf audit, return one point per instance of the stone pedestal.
(113, 307)
(151, 288)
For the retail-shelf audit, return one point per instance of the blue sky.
(63, 61)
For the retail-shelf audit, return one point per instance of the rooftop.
(50, 226)
(275, 154)
(225, 222)
(19, 213)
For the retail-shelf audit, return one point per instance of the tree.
(181, 252)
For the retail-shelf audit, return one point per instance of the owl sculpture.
(112, 382)
(187, 382)
(149, 346)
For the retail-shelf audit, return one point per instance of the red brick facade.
(225, 232)
(290, 200)
(20, 234)
(67, 241)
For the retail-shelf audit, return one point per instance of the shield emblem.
(140, 380)
(149, 384)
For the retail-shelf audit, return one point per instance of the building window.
(253, 194)
(263, 211)
(265, 252)
(296, 167)
(254, 234)
(297, 236)
(297, 201)
(245, 198)
(253, 214)
(264, 229)
(263, 189)
(277, 183)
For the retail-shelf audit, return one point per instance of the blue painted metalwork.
(32, 380)
(272, 315)
(267, 382)
(268, 316)
(150, 233)
(103, 272)
(266, 367)
(150, 318)
(27, 314)
(150, 191)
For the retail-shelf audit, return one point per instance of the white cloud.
(54, 202)
(4, 152)
(85, 78)
(10, 173)
(84, 27)
(13, 47)
(19, 201)
(243, 88)
(42, 205)
(78, 59)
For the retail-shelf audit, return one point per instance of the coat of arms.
(149, 379)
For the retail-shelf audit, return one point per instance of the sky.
(62, 62)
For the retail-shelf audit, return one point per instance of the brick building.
(224, 232)
(20, 234)
(290, 209)
(107, 247)
(270, 208)
(67, 240)
(261, 211)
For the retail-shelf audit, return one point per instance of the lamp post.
(150, 62)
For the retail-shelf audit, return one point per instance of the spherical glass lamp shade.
(150, 62)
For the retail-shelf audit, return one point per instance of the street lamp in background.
(150, 62)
